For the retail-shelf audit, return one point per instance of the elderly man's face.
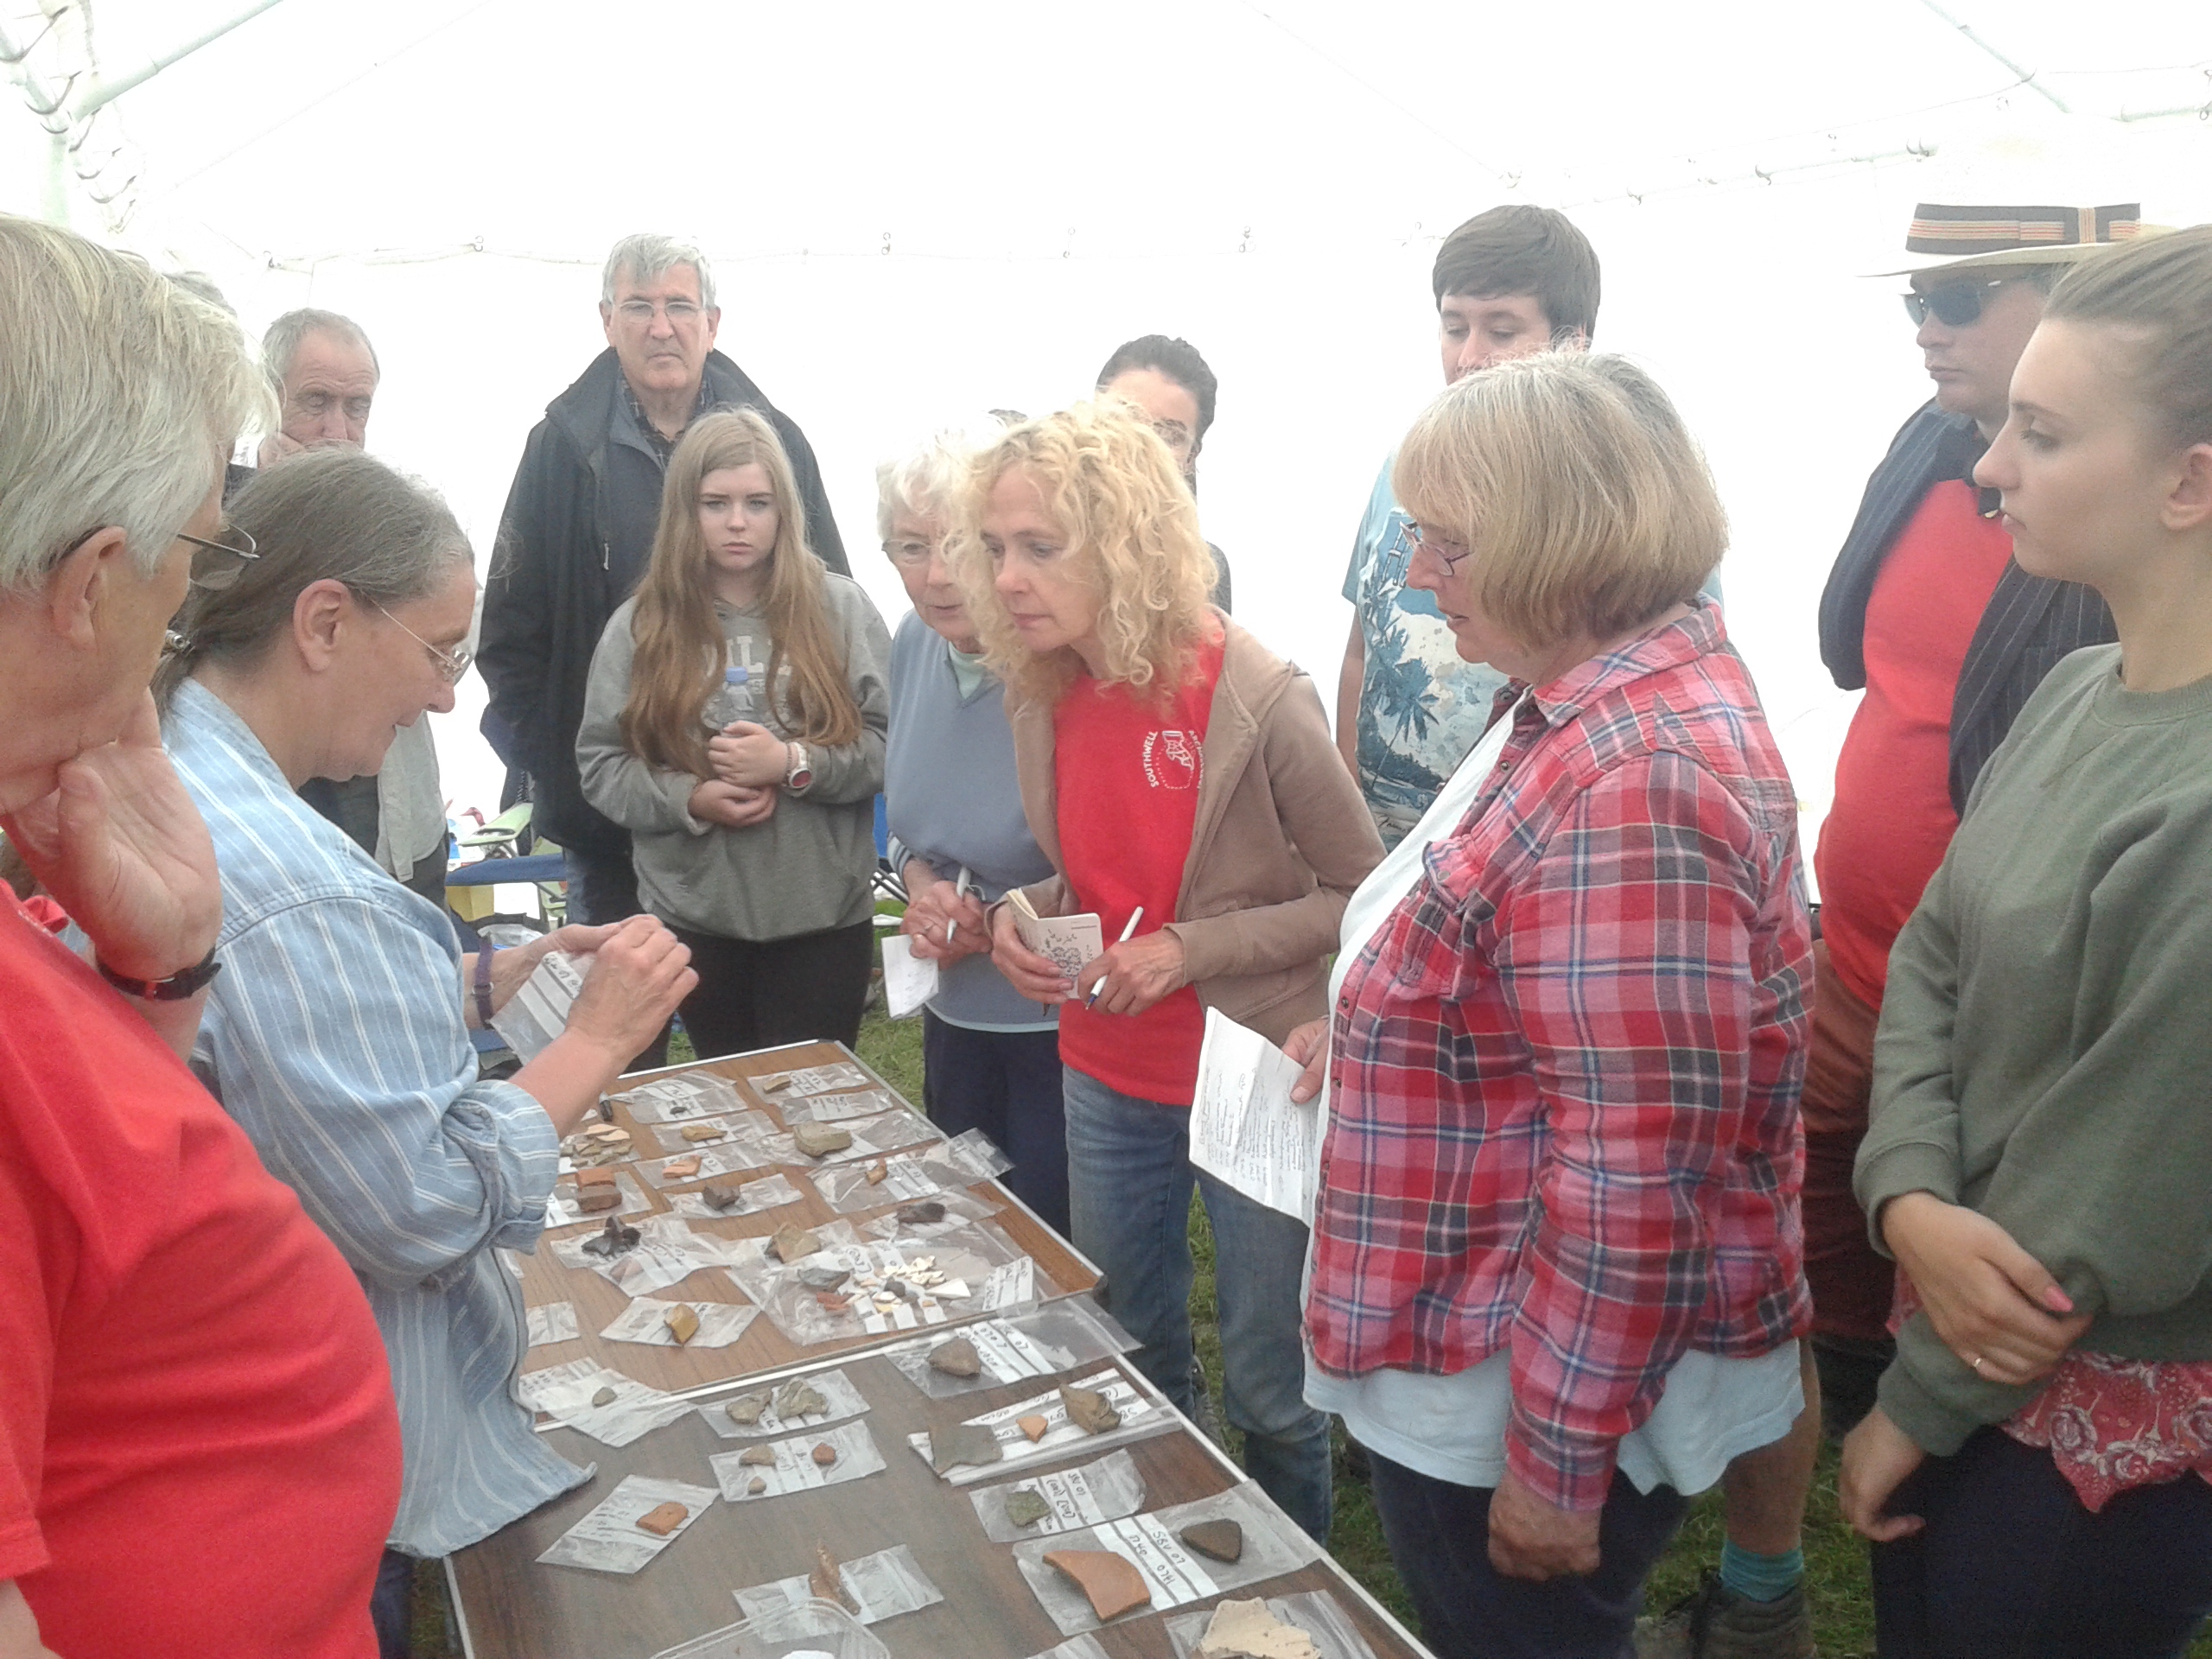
(327, 391)
(659, 330)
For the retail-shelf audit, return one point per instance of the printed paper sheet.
(646, 1321)
(840, 1399)
(565, 1393)
(1245, 1129)
(1140, 1417)
(610, 1538)
(553, 1322)
(794, 1468)
(882, 1585)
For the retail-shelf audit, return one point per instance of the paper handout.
(909, 980)
(1245, 1130)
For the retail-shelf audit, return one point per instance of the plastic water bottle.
(732, 700)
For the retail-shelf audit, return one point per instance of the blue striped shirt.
(334, 1037)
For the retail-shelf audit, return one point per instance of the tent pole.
(2027, 76)
(106, 92)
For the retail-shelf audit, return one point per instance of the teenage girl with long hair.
(734, 724)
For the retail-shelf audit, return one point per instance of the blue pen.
(1136, 915)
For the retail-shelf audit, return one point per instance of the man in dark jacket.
(578, 531)
(1928, 611)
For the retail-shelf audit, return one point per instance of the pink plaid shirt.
(1565, 1072)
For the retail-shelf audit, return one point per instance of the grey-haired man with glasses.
(1926, 610)
(579, 529)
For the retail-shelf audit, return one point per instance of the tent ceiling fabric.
(1001, 128)
(923, 212)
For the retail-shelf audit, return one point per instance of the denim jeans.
(1007, 1085)
(391, 1606)
(1439, 1533)
(1129, 1180)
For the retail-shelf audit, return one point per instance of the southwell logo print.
(1172, 758)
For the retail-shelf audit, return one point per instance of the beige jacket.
(1281, 841)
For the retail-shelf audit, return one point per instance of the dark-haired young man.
(1170, 382)
(1508, 282)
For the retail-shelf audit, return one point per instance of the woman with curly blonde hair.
(1182, 779)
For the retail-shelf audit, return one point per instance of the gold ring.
(1977, 1365)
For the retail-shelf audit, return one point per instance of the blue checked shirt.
(333, 1036)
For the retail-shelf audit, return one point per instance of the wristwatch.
(798, 774)
(177, 987)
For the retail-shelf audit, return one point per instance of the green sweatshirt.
(2045, 1050)
(807, 868)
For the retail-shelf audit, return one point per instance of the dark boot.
(1718, 1623)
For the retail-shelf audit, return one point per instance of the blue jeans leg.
(1007, 1085)
(391, 1606)
(1259, 1259)
(1130, 1179)
(1129, 1205)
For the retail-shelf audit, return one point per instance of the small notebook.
(1070, 941)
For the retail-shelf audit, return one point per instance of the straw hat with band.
(1971, 239)
(1978, 246)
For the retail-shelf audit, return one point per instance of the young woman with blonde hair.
(1182, 779)
(734, 724)
(2039, 1152)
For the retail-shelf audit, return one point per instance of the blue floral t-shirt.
(1420, 706)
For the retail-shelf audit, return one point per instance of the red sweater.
(1892, 819)
(1126, 771)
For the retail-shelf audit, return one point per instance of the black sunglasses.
(1955, 305)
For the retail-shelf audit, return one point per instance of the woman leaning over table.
(337, 1036)
(2039, 1156)
(1557, 1264)
(1170, 764)
(990, 1057)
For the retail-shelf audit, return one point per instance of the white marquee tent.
(918, 212)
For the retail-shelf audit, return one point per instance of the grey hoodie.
(807, 868)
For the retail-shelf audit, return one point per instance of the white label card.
(909, 980)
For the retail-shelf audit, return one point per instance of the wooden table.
(763, 1347)
(510, 1607)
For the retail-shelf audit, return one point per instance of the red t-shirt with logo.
(1127, 768)
(1893, 818)
(198, 1451)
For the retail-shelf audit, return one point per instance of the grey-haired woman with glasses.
(332, 613)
